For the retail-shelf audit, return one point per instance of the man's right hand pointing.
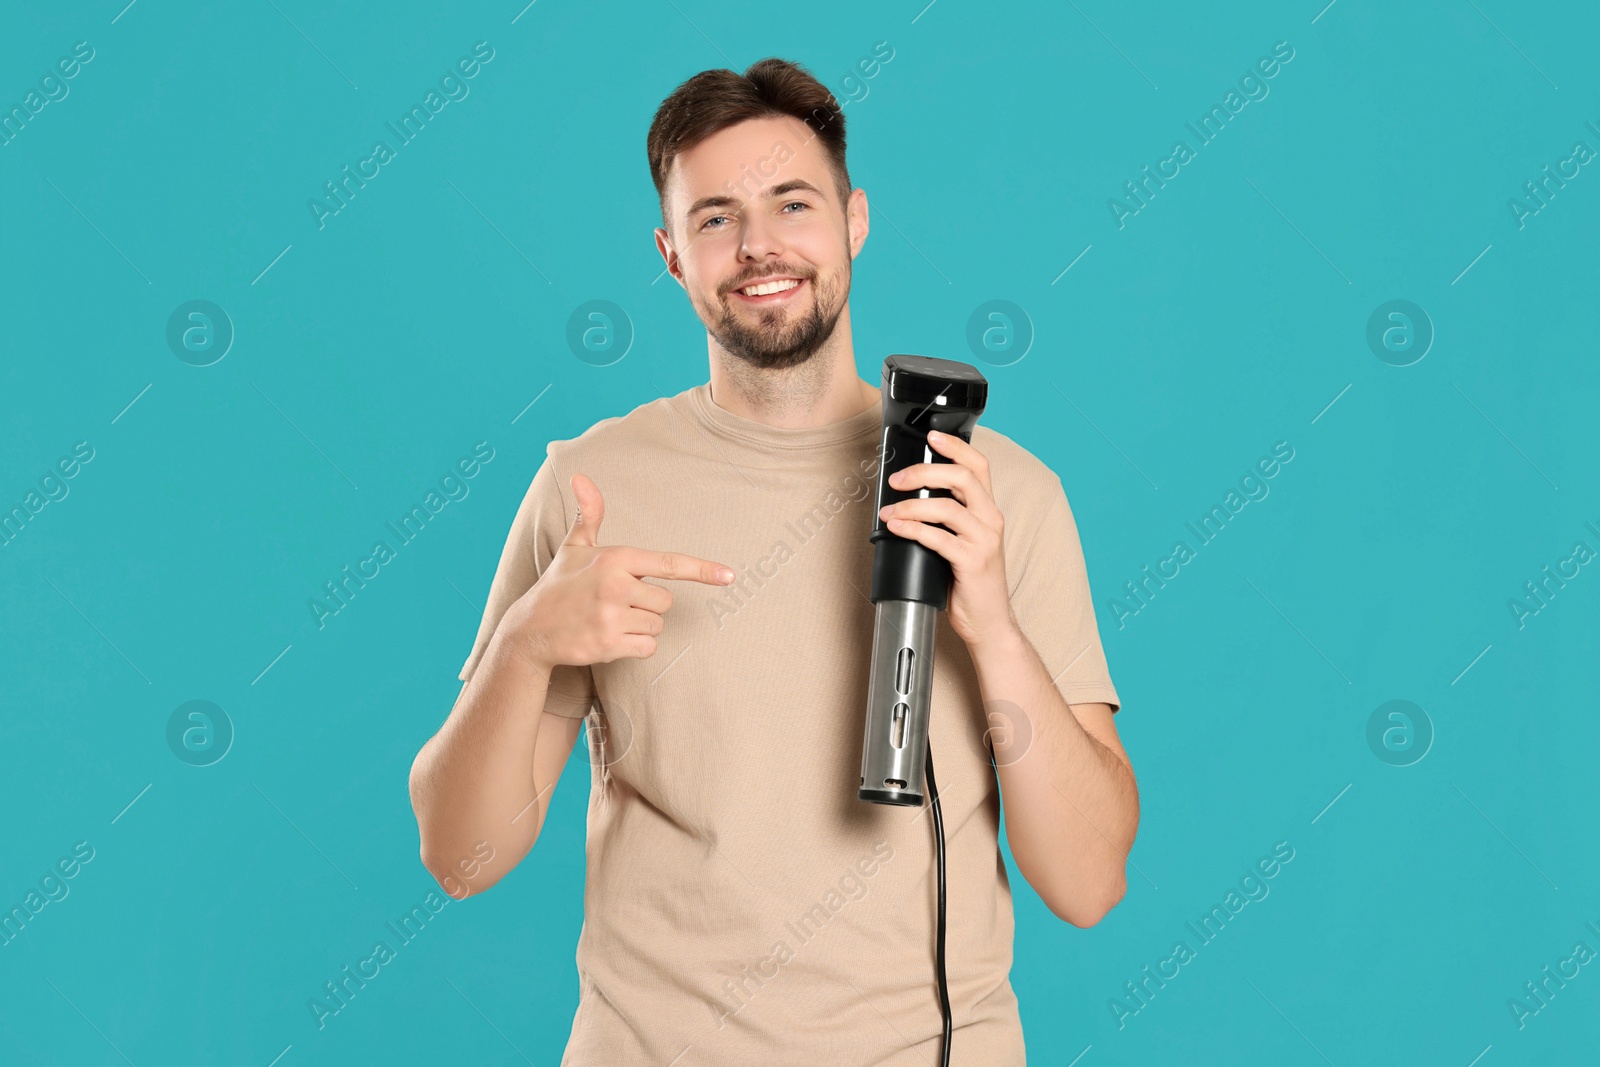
(591, 604)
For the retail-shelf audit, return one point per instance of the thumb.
(591, 510)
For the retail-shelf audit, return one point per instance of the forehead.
(745, 158)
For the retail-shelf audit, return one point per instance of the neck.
(823, 390)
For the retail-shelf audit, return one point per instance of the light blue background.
(1227, 315)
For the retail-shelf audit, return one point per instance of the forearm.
(1071, 804)
(475, 780)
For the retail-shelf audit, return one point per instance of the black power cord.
(938, 839)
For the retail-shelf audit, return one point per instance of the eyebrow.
(727, 201)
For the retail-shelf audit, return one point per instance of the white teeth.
(770, 287)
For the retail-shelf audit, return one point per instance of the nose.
(760, 238)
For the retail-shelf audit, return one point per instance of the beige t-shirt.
(741, 904)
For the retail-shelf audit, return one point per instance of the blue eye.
(793, 203)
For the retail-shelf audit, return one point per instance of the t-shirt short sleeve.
(1052, 603)
(537, 531)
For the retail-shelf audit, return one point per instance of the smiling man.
(741, 903)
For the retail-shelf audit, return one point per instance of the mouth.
(770, 291)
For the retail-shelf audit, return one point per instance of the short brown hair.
(713, 100)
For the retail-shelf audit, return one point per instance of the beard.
(780, 338)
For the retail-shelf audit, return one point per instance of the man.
(741, 904)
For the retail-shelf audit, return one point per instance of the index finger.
(645, 563)
(962, 453)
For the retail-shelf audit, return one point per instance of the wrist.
(996, 654)
(526, 644)
(999, 642)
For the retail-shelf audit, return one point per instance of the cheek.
(825, 251)
(714, 248)
(837, 265)
(705, 267)
(706, 287)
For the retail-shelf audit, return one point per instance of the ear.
(856, 213)
(669, 255)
